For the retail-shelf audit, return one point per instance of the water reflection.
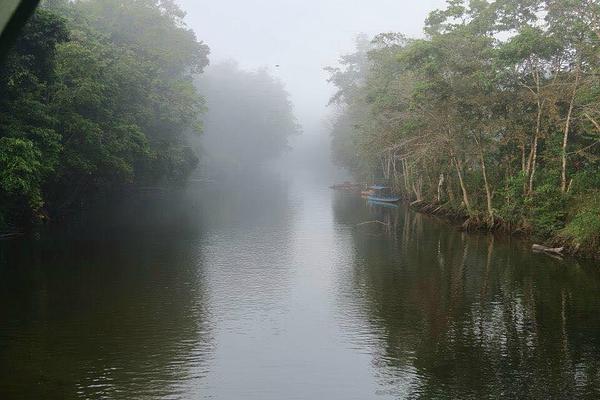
(452, 315)
(118, 311)
(130, 300)
(275, 289)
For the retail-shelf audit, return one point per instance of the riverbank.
(188, 290)
(568, 238)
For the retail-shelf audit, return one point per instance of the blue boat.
(382, 204)
(383, 194)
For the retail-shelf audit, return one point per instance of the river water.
(278, 289)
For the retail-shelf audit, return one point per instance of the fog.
(296, 39)
(250, 119)
(179, 221)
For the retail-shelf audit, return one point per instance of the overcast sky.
(302, 36)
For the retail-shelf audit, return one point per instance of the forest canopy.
(95, 95)
(494, 115)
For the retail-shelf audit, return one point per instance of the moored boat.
(383, 194)
(382, 204)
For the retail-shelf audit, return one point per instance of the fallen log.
(543, 249)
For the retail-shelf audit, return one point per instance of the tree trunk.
(563, 182)
(523, 167)
(406, 177)
(538, 125)
(533, 163)
(417, 188)
(488, 193)
(439, 188)
(458, 166)
(395, 175)
(450, 190)
(389, 163)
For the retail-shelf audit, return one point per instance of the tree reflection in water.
(114, 312)
(456, 315)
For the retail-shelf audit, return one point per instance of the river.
(276, 289)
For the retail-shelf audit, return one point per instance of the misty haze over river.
(220, 200)
(268, 289)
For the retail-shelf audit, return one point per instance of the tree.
(249, 120)
(96, 103)
(498, 102)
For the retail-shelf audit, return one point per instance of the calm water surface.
(273, 290)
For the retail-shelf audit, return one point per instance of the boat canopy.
(377, 187)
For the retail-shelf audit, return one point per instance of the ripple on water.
(273, 291)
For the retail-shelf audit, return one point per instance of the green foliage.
(21, 171)
(583, 230)
(496, 111)
(586, 180)
(95, 95)
(529, 42)
(512, 201)
(548, 209)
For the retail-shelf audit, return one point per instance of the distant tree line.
(101, 95)
(494, 115)
(249, 118)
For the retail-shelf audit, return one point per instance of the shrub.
(548, 210)
(583, 231)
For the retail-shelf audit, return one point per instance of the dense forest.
(89, 102)
(97, 96)
(254, 100)
(493, 116)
